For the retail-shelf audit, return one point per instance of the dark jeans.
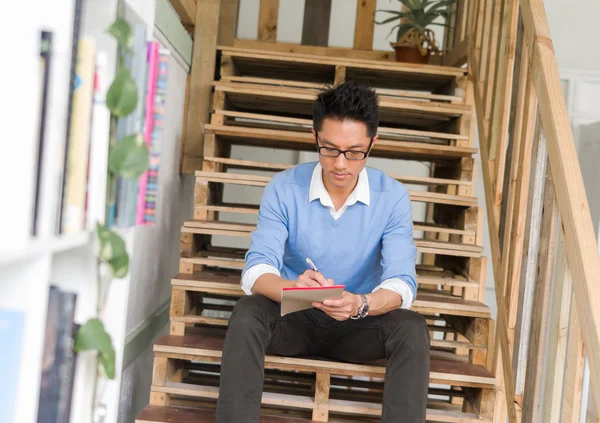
(256, 328)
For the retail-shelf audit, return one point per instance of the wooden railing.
(544, 251)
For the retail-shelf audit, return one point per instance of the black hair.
(347, 101)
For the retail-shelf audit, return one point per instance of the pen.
(311, 264)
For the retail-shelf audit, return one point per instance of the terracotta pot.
(410, 54)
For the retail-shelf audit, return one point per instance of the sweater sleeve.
(399, 252)
(268, 239)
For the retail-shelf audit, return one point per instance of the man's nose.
(341, 162)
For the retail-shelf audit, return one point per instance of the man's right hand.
(311, 279)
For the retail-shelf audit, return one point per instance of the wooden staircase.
(263, 98)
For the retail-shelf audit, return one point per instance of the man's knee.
(252, 311)
(408, 325)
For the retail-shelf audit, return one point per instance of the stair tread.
(305, 141)
(301, 84)
(275, 167)
(208, 342)
(159, 414)
(425, 302)
(173, 414)
(293, 94)
(245, 230)
(262, 181)
(335, 60)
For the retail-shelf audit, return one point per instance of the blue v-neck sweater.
(364, 247)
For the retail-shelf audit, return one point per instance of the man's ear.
(313, 131)
(375, 138)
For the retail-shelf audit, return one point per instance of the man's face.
(340, 173)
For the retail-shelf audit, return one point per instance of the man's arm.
(265, 256)
(399, 255)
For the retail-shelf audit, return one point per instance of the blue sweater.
(364, 247)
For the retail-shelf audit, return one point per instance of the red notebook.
(296, 299)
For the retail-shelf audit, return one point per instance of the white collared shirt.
(317, 191)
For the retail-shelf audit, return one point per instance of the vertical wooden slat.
(532, 396)
(315, 27)
(228, 22)
(501, 113)
(574, 372)
(490, 70)
(529, 256)
(557, 340)
(322, 385)
(365, 24)
(267, 20)
(201, 79)
(485, 42)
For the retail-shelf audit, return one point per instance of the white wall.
(575, 32)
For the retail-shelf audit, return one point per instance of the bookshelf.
(29, 265)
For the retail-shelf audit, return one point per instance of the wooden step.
(305, 141)
(205, 344)
(158, 414)
(211, 227)
(262, 181)
(407, 179)
(382, 92)
(303, 67)
(427, 302)
(298, 102)
(269, 121)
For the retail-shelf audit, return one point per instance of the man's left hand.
(342, 308)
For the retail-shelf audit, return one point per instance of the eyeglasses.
(349, 154)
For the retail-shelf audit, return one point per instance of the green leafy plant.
(414, 23)
(127, 158)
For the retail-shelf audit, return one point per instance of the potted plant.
(415, 41)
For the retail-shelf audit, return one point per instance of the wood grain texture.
(365, 24)
(202, 75)
(186, 9)
(267, 20)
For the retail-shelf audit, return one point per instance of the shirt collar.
(317, 189)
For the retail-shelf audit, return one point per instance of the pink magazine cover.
(153, 58)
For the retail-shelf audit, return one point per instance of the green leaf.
(121, 31)
(393, 18)
(129, 158)
(122, 96)
(93, 337)
(113, 251)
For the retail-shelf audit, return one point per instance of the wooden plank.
(203, 344)
(573, 384)
(340, 52)
(416, 70)
(308, 96)
(308, 123)
(557, 338)
(267, 20)
(171, 414)
(202, 74)
(458, 55)
(186, 9)
(301, 84)
(582, 248)
(315, 27)
(491, 64)
(365, 24)
(228, 22)
(533, 394)
(383, 147)
(322, 386)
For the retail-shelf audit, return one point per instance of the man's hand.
(341, 309)
(310, 279)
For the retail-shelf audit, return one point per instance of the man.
(355, 223)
